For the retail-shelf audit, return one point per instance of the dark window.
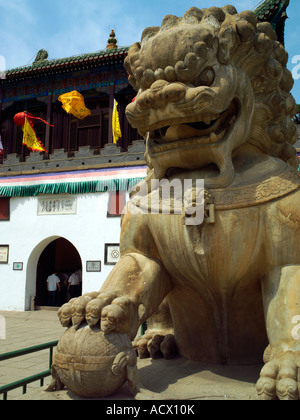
(19, 141)
(104, 129)
(133, 134)
(73, 136)
(92, 131)
(130, 134)
(116, 203)
(4, 208)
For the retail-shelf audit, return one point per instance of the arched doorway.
(59, 256)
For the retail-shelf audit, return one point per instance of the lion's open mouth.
(212, 129)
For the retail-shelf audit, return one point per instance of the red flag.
(1, 147)
(30, 139)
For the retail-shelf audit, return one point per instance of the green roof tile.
(274, 11)
(46, 65)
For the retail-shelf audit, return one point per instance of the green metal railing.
(39, 376)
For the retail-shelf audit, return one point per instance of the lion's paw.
(113, 312)
(156, 344)
(280, 378)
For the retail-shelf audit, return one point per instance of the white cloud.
(18, 9)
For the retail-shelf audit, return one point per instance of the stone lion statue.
(214, 104)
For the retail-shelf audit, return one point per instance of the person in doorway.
(79, 274)
(73, 285)
(53, 284)
(63, 276)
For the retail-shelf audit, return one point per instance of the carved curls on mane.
(240, 40)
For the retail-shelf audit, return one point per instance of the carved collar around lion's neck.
(259, 178)
(266, 181)
(276, 185)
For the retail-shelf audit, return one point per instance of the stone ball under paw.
(91, 363)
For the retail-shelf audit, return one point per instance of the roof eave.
(65, 65)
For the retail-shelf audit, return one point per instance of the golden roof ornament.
(112, 42)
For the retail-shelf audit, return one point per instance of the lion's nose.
(157, 97)
(175, 91)
(161, 93)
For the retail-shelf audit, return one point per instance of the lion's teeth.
(213, 137)
(207, 120)
(221, 135)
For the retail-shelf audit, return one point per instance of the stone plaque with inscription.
(56, 205)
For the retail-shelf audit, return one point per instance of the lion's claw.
(111, 316)
(119, 314)
(155, 345)
(279, 378)
(287, 389)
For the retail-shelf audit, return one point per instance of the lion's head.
(208, 83)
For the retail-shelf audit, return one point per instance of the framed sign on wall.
(4, 254)
(112, 254)
(18, 266)
(93, 266)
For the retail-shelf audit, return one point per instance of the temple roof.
(274, 11)
(43, 66)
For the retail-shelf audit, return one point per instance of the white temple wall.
(85, 224)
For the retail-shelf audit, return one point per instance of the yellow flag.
(116, 129)
(30, 139)
(73, 103)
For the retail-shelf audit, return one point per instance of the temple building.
(60, 207)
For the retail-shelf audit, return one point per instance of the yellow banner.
(73, 103)
(30, 139)
(116, 129)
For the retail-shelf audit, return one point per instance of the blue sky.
(70, 27)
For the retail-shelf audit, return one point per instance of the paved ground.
(26, 329)
(176, 379)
